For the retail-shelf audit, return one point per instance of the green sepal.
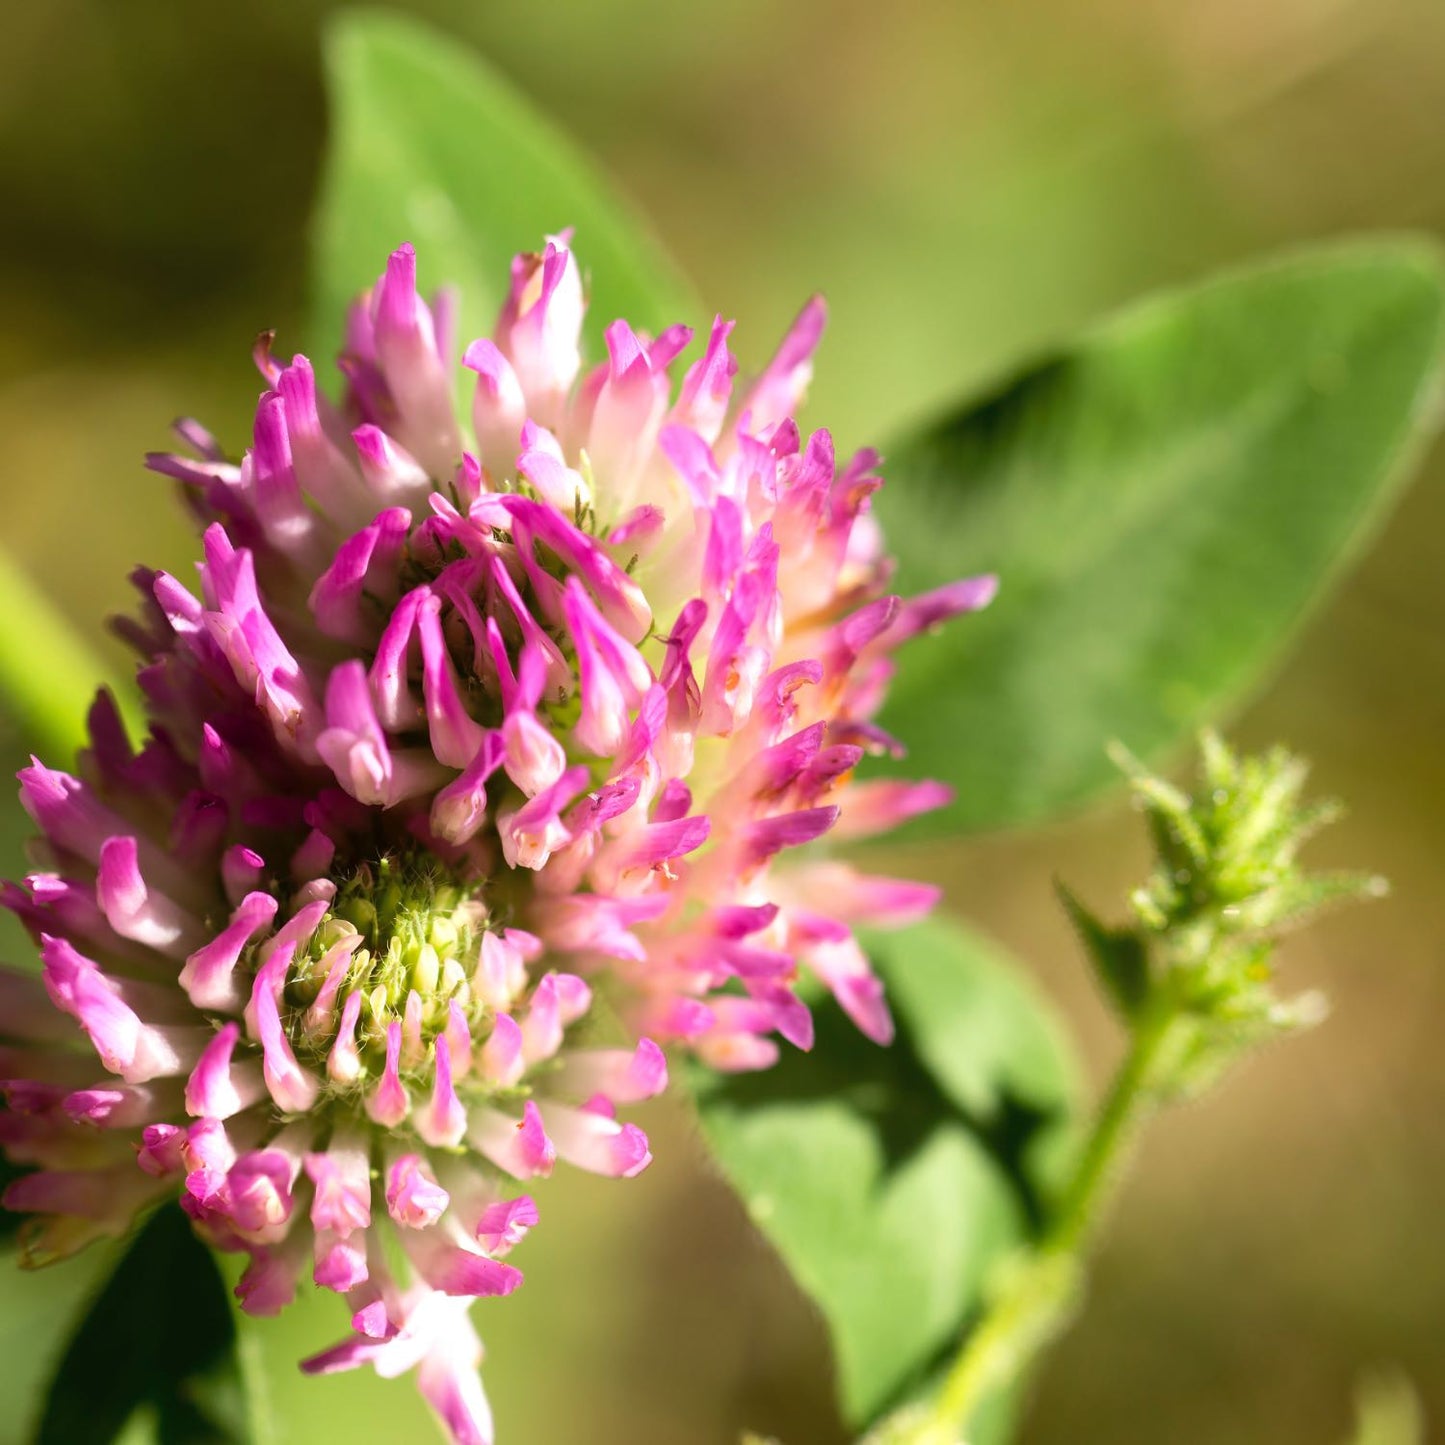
(1119, 957)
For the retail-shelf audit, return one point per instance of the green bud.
(426, 972)
(1226, 884)
(415, 931)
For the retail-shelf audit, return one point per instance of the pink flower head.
(470, 711)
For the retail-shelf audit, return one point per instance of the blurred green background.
(967, 182)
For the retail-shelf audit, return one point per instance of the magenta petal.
(342, 1179)
(136, 911)
(505, 1222)
(388, 1104)
(293, 1088)
(218, 1087)
(442, 1120)
(518, 1146)
(596, 1143)
(451, 1387)
(413, 1197)
(622, 1075)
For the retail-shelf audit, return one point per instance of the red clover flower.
(475, 720)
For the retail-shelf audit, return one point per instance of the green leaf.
(38, 1309)
(892, 1180)
(1163, 501)
(48, 673)
(430, 145)
(158, 1340)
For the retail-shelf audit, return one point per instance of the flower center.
(405, 942)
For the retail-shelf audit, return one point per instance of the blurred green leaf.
(38, 1312)
(48, 674)
(430, 145)
(157, 1339)
(892, 1180)
(1163, 502)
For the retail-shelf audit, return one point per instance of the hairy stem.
(1037, 1297)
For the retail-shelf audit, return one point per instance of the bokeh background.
(967, 182)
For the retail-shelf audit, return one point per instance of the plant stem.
(1035, 1300)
